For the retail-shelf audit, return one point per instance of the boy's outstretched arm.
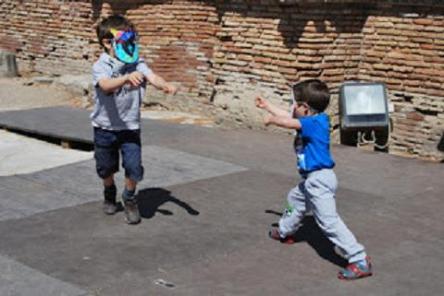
(160, 83)
(109, 85)
(282, 121)
(266, 105)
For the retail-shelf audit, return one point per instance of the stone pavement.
(207, 202)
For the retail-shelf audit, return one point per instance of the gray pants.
(316, 193)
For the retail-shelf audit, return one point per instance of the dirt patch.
(17, 94)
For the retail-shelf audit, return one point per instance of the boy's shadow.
(149, 200)
(312, 234)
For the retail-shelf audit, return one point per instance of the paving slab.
(18, 279)
(208, 200)
(70, 185)
(62, 122)
(73, 124)
(21, 155)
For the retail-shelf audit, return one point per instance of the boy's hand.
(261, 102)
(170, 89)
(135, 78)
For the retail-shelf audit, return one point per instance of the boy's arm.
(102, 73)
(109, 85)
(155, 79)
(274, 110)
(283, 121)
(160, 83)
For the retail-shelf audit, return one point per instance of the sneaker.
(109, 206)
(132, 214)
(275, 234)
(109, 203)
(356, 270)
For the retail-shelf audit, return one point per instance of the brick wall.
(223, 53)
(407, 53)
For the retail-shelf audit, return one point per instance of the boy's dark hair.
(314, 92)
(117, 22)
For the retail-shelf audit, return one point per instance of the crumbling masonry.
(225, 52)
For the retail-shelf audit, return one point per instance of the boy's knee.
(132, 161)
(106, 163)
(105, 171)
(296, 193)
(134, 171)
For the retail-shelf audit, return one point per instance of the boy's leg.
(132, 158)
(109, 193)
(132, 214)
(320, 189)
(132, 163)
(295, 211)
(107, 163)
(130, 184)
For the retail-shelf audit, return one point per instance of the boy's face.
(123, 46)
(300, 109)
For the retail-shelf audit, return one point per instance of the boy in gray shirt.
(119, 79)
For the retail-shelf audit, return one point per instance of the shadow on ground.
(151, 199)
(311, 233)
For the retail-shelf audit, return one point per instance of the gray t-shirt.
(119, 110)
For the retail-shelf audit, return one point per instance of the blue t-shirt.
(312, 144)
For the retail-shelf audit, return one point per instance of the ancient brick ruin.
(225, 52)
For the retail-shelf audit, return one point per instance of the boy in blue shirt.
(119, 79)
(317, 189)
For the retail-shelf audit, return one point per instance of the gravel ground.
(16, 95)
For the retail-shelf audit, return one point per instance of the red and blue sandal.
(276, 235)
(356, 270)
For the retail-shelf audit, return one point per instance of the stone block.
(8, 64)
